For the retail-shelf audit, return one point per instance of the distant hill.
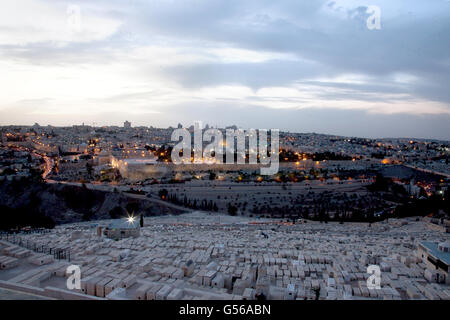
(37, 204)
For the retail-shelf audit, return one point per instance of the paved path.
(109, 188)
(427, 170)
(8, 294)
(157, 200)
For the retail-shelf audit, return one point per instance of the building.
(437, 259)
(137, 164)
(123, 228)
(438, 224)
(127, 125)
(412, 189)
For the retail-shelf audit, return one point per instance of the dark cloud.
(254, 75)
(407, 43)
(328, 39)
(331, 121)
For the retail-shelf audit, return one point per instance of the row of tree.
(193, 204)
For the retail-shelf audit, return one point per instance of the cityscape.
(109, 199)
(220, 158)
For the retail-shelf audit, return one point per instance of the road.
(48, 164)
(125, 190)
(427, 170)
(48, 161)
(8, 294)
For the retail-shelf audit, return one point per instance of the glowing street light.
(131, 219)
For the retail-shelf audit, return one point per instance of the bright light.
(131, 219)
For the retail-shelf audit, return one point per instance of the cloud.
(140, 56)
(24, 22)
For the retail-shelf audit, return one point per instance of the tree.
(36, 175)
(381, 184)
(447, 201)
(317, 292)
(87, 215)
(232, 210)
(163, 193)
(422, 193)
(116, 212)
(89, 169)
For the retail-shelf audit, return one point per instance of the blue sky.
(304, 66)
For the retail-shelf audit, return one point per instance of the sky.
(322, 66)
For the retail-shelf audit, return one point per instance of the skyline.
(186, 126)
(300, 67)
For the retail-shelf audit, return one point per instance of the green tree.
(163, 193)
(89, 169)
(232, 210)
